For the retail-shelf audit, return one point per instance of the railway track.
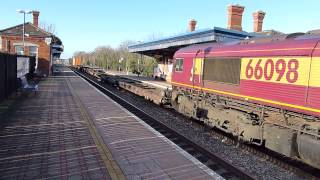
(217, 164)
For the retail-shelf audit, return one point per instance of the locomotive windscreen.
(226, 70)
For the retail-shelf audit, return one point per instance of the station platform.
(70, 130)
(147, 80)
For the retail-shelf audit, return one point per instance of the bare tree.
(78, 53)
(109, 58)
(51, 28)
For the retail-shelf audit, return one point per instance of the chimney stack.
(192, 25)
(258, 20)
(235, 17)
(35, 18)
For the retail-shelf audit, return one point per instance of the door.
(197, 72)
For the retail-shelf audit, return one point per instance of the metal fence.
(9, 82)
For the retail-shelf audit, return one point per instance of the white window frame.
(27, 44)
(180, 66)
(18, 52)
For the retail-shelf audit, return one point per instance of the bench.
(26, 87)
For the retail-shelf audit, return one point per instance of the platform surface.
(46, 136)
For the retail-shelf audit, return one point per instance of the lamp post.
(139, 60)
(139, 64)
(120, 61)
(127, 66)
(24, 21)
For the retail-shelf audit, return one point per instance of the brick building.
(77, 60)
(37, 42)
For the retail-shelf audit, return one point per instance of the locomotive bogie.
(234, 122)
(280, 139)
(218, 115)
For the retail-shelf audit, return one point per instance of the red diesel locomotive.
(264, 91)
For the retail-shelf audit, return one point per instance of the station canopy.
(166, 47)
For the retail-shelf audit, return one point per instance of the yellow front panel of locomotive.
(197, 66)
(315, 72)
(286, 70)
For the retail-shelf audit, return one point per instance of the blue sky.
(84, 25)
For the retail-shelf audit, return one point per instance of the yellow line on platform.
(113, 168)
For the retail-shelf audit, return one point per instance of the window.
(19, 50)
(33, 51)
(225, 70)
(0, 43)
(179, 65)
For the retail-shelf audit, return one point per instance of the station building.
(163, 49)
(45, 46)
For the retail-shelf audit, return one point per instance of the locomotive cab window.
(179, 65)
(224, 70)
